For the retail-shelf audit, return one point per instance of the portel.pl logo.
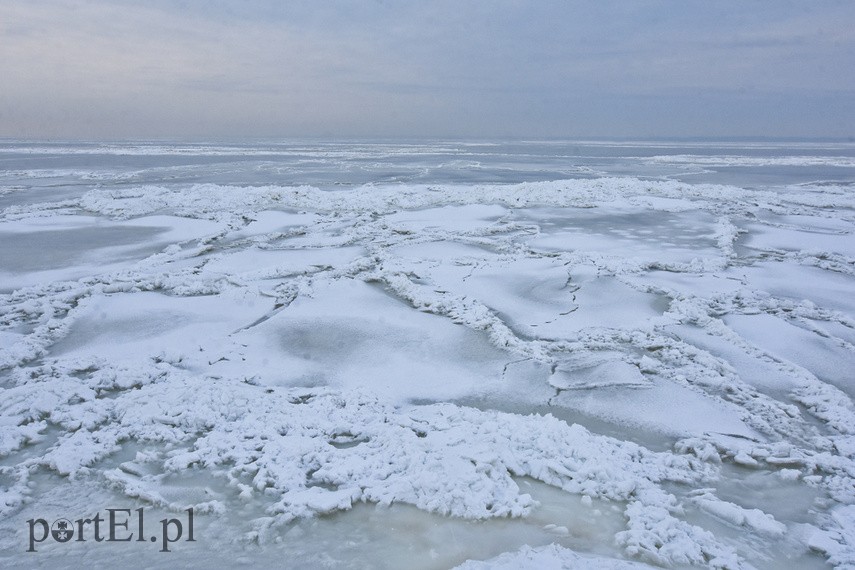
(118, 526)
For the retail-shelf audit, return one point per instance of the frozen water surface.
(418, 354)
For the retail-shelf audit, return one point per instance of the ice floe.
(666, 355)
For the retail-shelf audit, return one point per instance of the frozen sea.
(428, 354)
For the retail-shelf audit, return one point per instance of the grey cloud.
(465, 68)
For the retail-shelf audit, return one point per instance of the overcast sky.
(457, 68)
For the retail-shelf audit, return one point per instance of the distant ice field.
(431, 354)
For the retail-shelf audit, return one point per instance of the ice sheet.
(416, 364)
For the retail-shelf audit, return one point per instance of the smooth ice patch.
(138, 326)
(350, 334)
(766, 238)
(32, 254)
(658, 406)
(448, 218)
(788, 343)
(257, 263)
(643, 237)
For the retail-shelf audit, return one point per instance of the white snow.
(589, 371)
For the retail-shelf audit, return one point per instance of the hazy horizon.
(414, 139)
(172, 70)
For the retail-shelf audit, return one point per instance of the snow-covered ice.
(431, 355)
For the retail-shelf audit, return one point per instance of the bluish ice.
(377, 354)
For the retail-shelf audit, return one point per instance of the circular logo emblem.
(62, 530)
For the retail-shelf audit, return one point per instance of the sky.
(404, 68)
